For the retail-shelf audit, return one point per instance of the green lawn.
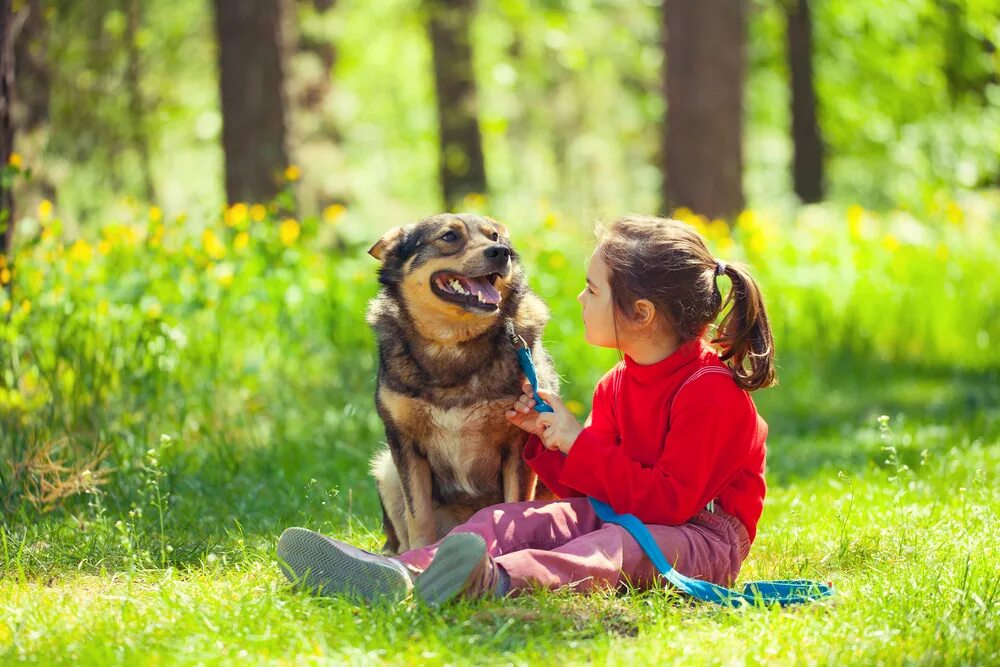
(232, 390)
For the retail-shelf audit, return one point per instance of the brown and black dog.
(452, 294)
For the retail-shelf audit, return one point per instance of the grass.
(222, 388)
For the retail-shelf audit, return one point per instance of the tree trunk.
(702, 148)
(807, 168)
(6, 128)
(462, 169)
(136, 104)
(251, 84)
(31, 67)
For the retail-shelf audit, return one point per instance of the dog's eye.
(449, 236)
(495, 237)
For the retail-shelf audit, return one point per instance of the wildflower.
(104, 247)
(890, 243)
(289, 231)
(576, 407)
(25, 306)
(236, 214)
(241, 241)
(4, 276)
(954, 214)
(854, 215)
(155, 214)
(292, 173)
(212, 245)
(333, 213)
(81, 252)
(557, 260)
(258, 212)
(103, 307)
(16, 160)
(5, 307)
(44, 210)
(551, 220)
(473, 200)
(153, 309)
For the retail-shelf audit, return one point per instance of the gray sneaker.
(461, 568)
(328, 567)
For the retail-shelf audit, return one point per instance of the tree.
(6, 128)
(462, 168)
(136, 102)
(251, 79)
(702, 156)
(807, 169)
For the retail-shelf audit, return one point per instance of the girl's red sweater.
(661, 459)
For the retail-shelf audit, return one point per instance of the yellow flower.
(236, 214)
(155, 214)
(44, 210)
(718, 229)
(154, 309)
(4, 276)
(25, 306)
(5, 307)
(241, 241)
(576, 407)
(103, 307)
(16, 160)
(212, 245)
(289, 231)
(854, 216)
(890, 243)
(258, 212)
(557, 260)
(104, 247)
(473, 200)
(224, 274)
(551, 220)
(757, 243)
(333, 213)
(81, 252)
(292, 173)
(955, 214)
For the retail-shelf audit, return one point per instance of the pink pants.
(563, 543)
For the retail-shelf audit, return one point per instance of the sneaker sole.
(326, 567)
(449, 572)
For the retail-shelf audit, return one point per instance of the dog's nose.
(495, 251)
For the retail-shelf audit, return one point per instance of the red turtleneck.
(645, 453)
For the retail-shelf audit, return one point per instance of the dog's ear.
(391, 238)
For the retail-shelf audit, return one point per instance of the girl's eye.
(495, 237)
(449, 236)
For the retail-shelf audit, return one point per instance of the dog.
(453, 302)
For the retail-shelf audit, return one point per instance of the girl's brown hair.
(668, 263)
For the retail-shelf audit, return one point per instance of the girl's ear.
(645, 312)
(388, 240)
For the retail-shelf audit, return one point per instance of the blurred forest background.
(190, 187)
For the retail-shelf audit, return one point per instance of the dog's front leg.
(416, 481)
(518, 479)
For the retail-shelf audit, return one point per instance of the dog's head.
(456, 274)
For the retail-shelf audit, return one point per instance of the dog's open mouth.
(477, 292)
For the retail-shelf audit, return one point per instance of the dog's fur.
(447, 373)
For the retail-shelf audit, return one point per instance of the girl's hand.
(523, 414)
(560, 427)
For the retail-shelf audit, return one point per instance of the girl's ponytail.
(744, 335)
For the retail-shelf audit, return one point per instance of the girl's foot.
(461, 568)
(328, 567)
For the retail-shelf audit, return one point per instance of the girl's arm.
(548, 465)
(710, 436)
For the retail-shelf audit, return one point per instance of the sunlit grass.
(179, 390)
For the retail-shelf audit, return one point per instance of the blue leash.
(784, 592)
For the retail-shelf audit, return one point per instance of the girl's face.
(598, 309)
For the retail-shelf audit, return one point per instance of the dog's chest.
(463, 444)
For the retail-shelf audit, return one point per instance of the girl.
(673, 438)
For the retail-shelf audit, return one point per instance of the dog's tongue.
(483, 288)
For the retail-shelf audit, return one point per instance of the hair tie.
(720, 267)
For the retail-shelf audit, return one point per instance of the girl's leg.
(710, 547)
(510, 527)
